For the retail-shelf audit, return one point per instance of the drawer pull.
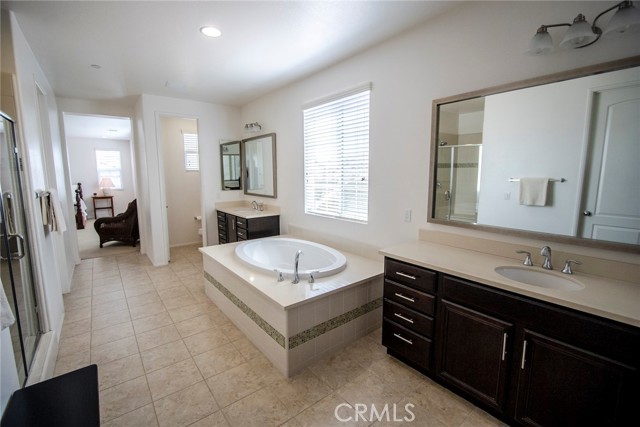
(403, 338)
(403, 297)
(404, 318)
(504, 345)
(524, 352)
(408, 276)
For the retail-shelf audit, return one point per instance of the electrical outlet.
(407, 215)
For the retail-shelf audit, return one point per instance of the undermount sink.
(539, 278)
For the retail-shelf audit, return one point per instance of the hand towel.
(6, 315)
(533, 191)
(58, 221)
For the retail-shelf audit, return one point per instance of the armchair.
(122, 227)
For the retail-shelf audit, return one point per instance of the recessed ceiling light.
(96, 66)
(210, 31)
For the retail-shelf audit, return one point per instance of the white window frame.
(191, 152)
(109, 164)
(336, 155)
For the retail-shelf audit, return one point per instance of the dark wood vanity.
(526, 361)
(233, 228)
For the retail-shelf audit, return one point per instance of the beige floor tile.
(124, 398)
(230, 330)
(156, 337)
(138, 289)
(216, 419)
(218, 360)
(179, 301)
(107, 281)
(114, 350)
(140, 311)
(171, 379)
(173, 292)
(71, 329)
(105, 320)
(323, 414)
(478, 418)
(336, 370)
(164, 355)
(76, 344)
(83, 313)
(199, 295)
(72, 362)
(144, 299)
(141, 417)
(109, 307)
(194, 325)
(152, 322)
(119, 371)
(396, 375)
(205, 341)
(186, 406)
(260, 409)
(108, 297)
(76, 303)
(79, 292)
(300, 391)
(105, 289)
(368, 389)
(189, 311)
(440, 404)
(248, 350)
(111, 333)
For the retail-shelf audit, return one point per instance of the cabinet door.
(473, 353)
(561, 385)
(231, 228)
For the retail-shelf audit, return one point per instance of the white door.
(611, 202)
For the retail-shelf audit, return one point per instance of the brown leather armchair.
(122, 227)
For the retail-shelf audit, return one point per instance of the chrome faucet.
(254, 205)
(296, 277)
(546, 253)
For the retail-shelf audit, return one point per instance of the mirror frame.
(620, 64)
(275, 164)
(222, 144)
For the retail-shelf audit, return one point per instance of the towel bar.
(552, 180)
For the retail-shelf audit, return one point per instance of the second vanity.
(530, 355)
(238, 221)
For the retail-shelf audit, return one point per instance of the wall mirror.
(231, 165)
(259, 163)
(580, 129)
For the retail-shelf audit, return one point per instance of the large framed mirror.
(576, 134)
(259, 163)
(231, 165)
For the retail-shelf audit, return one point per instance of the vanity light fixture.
(252, 127)
(581, 34)
(210, 31)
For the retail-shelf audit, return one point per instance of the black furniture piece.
(122, 227)
(69, 400)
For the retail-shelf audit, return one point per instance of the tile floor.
(167, 356)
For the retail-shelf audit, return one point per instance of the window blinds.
(191, 157)
(108, 166)
(336, 156)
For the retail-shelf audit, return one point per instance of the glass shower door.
(15, 259)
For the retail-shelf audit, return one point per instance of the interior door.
(611, 202)
(15, 259)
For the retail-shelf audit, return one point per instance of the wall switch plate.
(407, 215)
(507, 195)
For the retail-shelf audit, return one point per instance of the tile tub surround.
(294, 325)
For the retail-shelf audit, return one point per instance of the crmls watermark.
(345, 412)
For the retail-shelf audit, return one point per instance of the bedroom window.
(336, 156)
(191, 157)
(109, 166)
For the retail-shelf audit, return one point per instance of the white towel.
(533, 191)
(6, 315)
(58, 223)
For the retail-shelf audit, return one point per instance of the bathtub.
(278, 253)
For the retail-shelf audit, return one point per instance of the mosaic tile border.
(301, 337)
(262, 324)
(324, 327)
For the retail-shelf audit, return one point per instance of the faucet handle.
(527, 259)
(312, 278)
(567, 266)
(279, 275)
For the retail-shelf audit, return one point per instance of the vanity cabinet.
(232, 228)
(408, 310)
(529, 362)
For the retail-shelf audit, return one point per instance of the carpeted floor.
(89, 244)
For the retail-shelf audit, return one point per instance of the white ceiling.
(155, 47)
(97, 127)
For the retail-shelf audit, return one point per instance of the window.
(191, 157)
(109, 166)
(336, 156)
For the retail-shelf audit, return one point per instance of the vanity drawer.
(409, 297)
(241, 222)
(241, 233)
(410, 275)
(407, 344)
(408, 318)
(222, 217)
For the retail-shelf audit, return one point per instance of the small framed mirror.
(259, 163)
(231, 165)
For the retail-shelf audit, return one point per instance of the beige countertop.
(244, 210)
(612, 299)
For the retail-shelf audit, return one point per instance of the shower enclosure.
(458, 182)
(15, 259)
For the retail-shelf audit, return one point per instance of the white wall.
(82, 155)
(215, 123)
(182, 187)
(478, 45)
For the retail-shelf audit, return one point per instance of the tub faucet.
(546, 253)
(296, 277)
